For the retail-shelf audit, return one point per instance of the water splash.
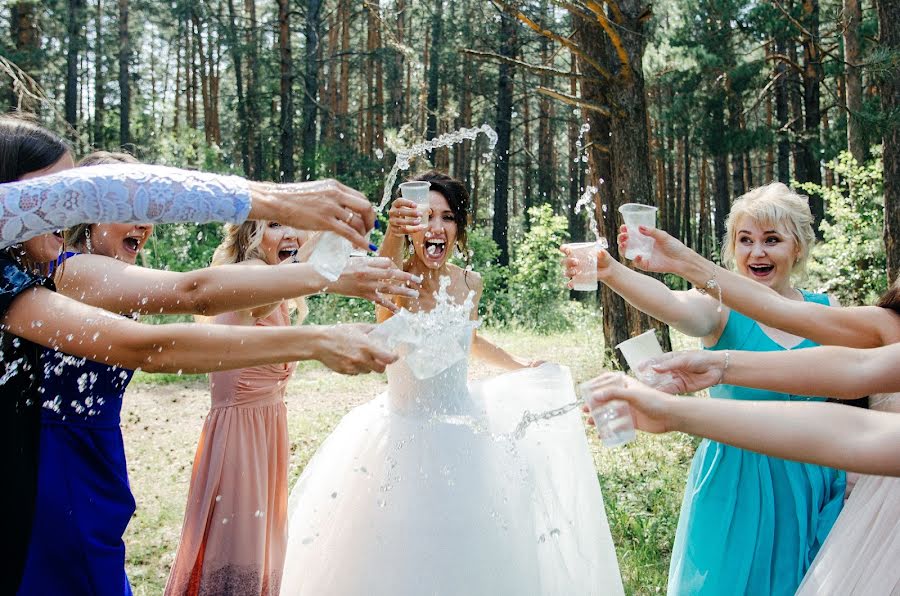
(528, 418)
(449, 139)
(587, 197)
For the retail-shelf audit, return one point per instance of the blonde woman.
(235, 525)
(749, 523)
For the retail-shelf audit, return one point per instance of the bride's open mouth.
(132, 244)
(435, 249)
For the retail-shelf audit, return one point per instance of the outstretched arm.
(119, 287)
(845, 373)
(857, 327)
(138, 193)
(819, 433)
(690, 312)
(85, 331)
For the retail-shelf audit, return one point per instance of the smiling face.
(43, 249)
(433, 245)
(119, 241)
(766, 253)
(280, 243)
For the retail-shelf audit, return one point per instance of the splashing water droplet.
(445, 140)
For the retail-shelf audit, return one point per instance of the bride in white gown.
(427, 489)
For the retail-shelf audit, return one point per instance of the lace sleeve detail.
(118, 193)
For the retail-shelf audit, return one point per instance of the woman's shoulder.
(14, 280)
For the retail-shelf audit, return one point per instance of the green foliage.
(483, 255)
(329, 309)
(851, 262)
(182, 247)
(538, 298)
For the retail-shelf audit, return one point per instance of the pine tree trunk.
(889, 36)
(254, 118)
(75, 28)
(99, 81)
(687, 217)
(722, 200)
(395, 113)
(124, 77)
(853, 81)
(286, 90)
(311, 88)
(27, 42)
(781, 114)
(434, 65)
(237, 61)
(503, 125)
(796, 98)
(546, 172)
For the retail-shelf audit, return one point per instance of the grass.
(642, 483)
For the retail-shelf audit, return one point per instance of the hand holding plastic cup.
(636, 215)
(586, 253)
(613, 420)
(639, 352)
(417, 192)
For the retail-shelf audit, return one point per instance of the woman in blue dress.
(34, 316)
(749, 523)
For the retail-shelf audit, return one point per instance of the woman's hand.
(374, 279)
(347, 349)
(689, 371)
(404, 219)
(668, 255)
(325, 205)
(650, 409)
(572, 266)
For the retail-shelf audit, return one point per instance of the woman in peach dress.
(235, 525)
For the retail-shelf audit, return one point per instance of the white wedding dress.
(424, 491)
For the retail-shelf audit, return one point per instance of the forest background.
(690, 103)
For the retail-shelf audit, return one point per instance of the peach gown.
(861, 554)
(235, 525)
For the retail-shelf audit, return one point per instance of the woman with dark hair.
(434, 487)
(33, 316)
(860, 554)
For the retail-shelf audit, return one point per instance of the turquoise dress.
(751, 524)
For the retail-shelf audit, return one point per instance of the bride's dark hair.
(891, 298)
(457, 197)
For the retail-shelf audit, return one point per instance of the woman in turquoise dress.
(749, 523)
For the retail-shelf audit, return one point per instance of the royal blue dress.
(84, 501)
(751, 524)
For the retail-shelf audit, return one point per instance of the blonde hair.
(242, 243)
(773, 205)
(77, 234)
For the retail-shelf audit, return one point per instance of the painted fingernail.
(372, 247)
(377, 225)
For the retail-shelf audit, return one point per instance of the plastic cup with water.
(636, 215)
(330, 255)
(585, 279)
(417, 192)
(639, 351)
(613, 419)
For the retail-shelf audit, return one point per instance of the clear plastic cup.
(330, 255)
(635, 215)
(638, 352)
(417, 192)
(613, 421)
(586, 253)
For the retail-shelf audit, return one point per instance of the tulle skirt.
(407, 505)
(862, 553)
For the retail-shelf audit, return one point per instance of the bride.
(427, 489)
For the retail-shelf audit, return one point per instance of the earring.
(87, 240)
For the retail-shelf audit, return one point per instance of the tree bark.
(99, 81)
(434, 65)
(853, 81)
(311, 88)
(812, 80)
(508, 43)
(237, 62)
(75, 28)
(781, 115)
(889, 36)
(124, 76)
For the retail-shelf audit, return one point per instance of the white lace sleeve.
(118, 193)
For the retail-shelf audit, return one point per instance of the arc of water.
(445, 140)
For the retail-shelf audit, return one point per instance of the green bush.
(483, 254)
(850, 262)
(538, 298)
